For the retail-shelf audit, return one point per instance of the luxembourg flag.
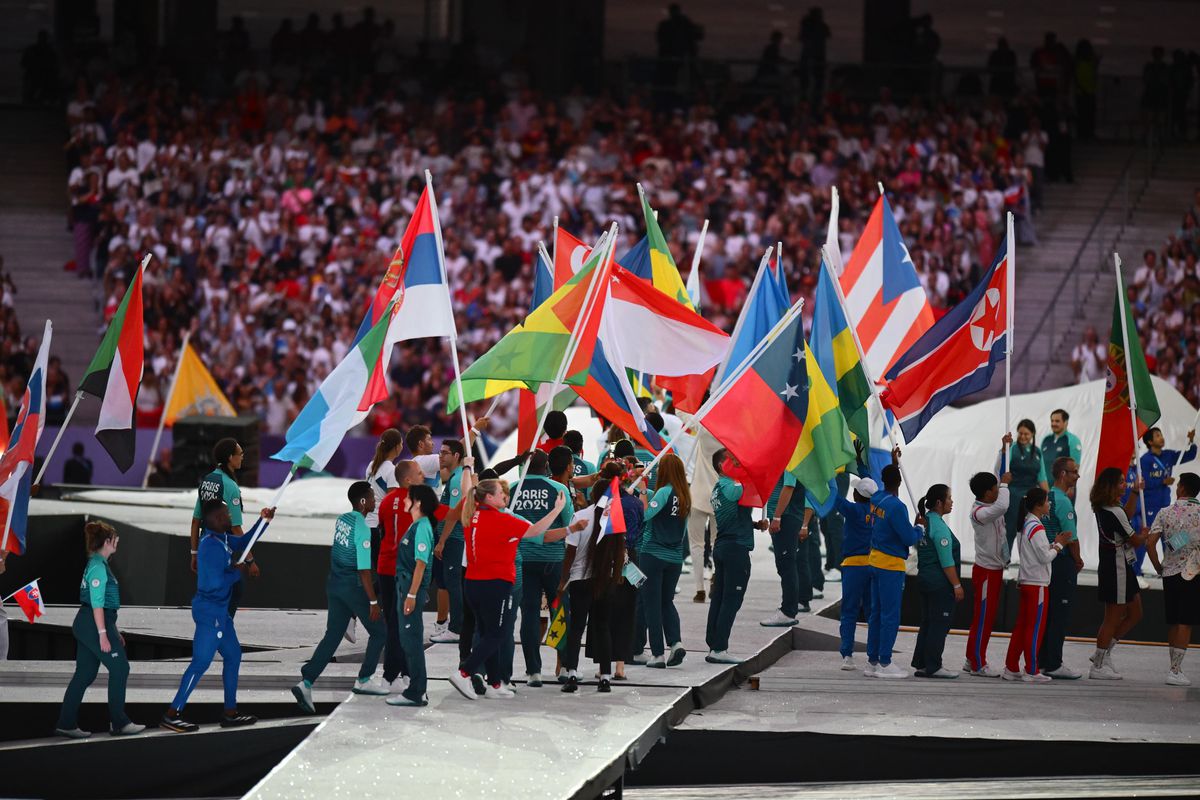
(885, 300)
(29, 598)
(955, 357)
(16, 466)
(416, 282)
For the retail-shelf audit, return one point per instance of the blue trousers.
(452, 556)
(540, 579)
(887, 587)
(214, 634)
(731, 576)
(410, 631)
(508, 645)
(491, 600)
(391, 593)
(856, 596)
(657, 597)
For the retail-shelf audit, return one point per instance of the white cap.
(866, 487)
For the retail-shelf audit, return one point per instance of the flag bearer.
(221, 484)
(891, 537)
(1157, 464)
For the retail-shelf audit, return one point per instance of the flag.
(29, 598)
(884, 298)
(339, 403)
(3, 423)
(16, 465)
(530, 404)
(608, 391)
(115, 374)
(560, 619)
(824, 448)
(956, 356)
(415, 281)
(779, 278)
(832, 343)
(570, 255)
(612, 518)
(693, 286)
(531, 353)
(760, 313)
(196, 392)
(1116, 435)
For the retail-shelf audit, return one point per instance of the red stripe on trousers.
(986, 585)
(1029, 630)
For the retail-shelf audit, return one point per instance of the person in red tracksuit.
(987, 573)
(1036, 552)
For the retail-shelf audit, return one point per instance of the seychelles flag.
(29, 598)
(16, 466)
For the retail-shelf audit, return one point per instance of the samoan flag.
(954, 358)
(612, 519)
(415, 280)
(29, 598)
(16, 466)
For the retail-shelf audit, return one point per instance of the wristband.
(776, 519)
(195, 551)
(374, 602)
(957, 586)
(411, 596)
(102, 630)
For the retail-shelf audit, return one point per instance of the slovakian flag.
(416, 283)
(1116, 434)
(612, 518)
(16, 465)
(29, 598)
(954, 358)
(116, 373)
(884, 299)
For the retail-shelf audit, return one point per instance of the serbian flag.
(1117, 446)
(884, 299)
(29, 598)
(16, 466)
(612, 518)
(416, 282)
(954, 358)
(570, 255)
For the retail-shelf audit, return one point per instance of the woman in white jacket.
(1036, 551)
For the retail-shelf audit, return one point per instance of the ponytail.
(938, 493)
(389, 440)
(95, 534)
(1033, 498)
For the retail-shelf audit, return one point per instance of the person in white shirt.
(1089, 359)
(991, 557)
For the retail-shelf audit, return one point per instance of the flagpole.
(694, 274)
(274, 504)
(573, 342)
(862, 360)
(727, 384)
(737, 327)
(1133, 418)
(14, 594)
(553, 242)
(441, 254)
(58, 438)
(1010, 281)
(162, 420)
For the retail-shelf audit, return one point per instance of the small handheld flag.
(613, 518)
(556, 633)
(29, 598)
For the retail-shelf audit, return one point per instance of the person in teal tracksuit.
(789, 515)
(449, 547)
(731, 556)
(660, 557)
(1028, 469)
(221, 484)
(97, 640)
(1060, 442)
(413, 553)
(351, 593)
(939, 563)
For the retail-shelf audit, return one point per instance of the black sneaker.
(237, 720)
(479, 685)
(571, 686)
(177, 724)
(605, 686)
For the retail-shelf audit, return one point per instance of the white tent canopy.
(959, 442)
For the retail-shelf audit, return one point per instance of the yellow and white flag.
(196, 392)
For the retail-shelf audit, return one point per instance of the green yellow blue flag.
(832, 344)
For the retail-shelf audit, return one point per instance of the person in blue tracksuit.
(856, 552)
(216, 574)
(891, 536)
(1157, 464)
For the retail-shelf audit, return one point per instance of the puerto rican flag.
(886, 303)
(956, 357)
(16, 466)
(416, 281)
(29, 598)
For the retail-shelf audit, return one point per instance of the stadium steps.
(34, 239)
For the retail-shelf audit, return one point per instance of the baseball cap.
(866, 487)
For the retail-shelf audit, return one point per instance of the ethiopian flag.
(530, 354)
(340, 402)
(832, 344)
(1117, 444)
(115, 374)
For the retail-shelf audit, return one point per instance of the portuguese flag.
(1117, 446)
(115, 374)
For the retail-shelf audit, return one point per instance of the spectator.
(814, 36)
(78, 469)
(1002, 70)
(1089, 359)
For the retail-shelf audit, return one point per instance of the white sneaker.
(399, 685)
(351, 631)
(779, 620)
(657, 662)
(1104, 672)
(721, 657)
(870, 669)
(1040, 677)
(1143, 583)
(1178, 679)
(438, 629)
(464, 684)
(512, 687)
(498, 693)
(641, 659)
(445, 637)
(988, 671)
(678, 653)
(1065, 673)
(533, 680)
(892, 671)
(833, 576)
(303, 694)
(1009, 675)
(967, 666)
(371, 686)
(943, 673)
(848, 663)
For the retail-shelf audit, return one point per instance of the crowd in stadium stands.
(273, 198)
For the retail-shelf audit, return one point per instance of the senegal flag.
(1116, 431)
(530, 354)
(116, 373)
(832, 344)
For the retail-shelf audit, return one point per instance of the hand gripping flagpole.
(1133, 418)
(599, 278)
(162, 419)
(274, 505)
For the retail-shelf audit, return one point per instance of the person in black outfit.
(78, 469)
(814, 34)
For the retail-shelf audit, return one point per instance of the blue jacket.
(856, 536)
(215, 572)
(892, 533)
